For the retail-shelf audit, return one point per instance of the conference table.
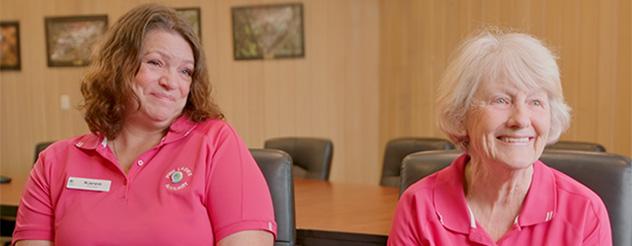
(9, 198)
(327, 213)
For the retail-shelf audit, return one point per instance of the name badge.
(88, 184)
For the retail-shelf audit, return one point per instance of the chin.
(521, 164)
(518, 161)
(160, 120)
(162, 114)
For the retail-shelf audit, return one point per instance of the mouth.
(514, 140)
(163, 97)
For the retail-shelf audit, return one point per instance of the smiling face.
(507, 124)
(163, 80)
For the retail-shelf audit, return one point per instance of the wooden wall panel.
(592, 39)
(370, 72)
(330, 93)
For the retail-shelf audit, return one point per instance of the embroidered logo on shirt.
(178, 178)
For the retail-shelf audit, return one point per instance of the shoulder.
(574, 199)
(448, 179)
(53, 160)
(209, 130)
(421, 189)
(415, 210)
(212, 124)
(75, 143)
(417, 201)
(214, 127)
(573, 189)
(421, 194)
(430, 206)
(217, 133)
(581, 208)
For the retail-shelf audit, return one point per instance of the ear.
(461, 132)
(463, 139)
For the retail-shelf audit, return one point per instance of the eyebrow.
(170, 57)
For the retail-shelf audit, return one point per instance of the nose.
(519, 117)
(167, 80)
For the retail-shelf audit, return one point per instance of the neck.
(492, 184)
(132, 141)
(131, 135)
(495, 194)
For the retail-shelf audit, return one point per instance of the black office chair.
(421, 164)
(399, 148)
(39, 147)
(311, 156)
(277, 168)
(574, 145)
(608, 175)
(7, 223)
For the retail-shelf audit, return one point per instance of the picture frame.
(10, 58)
(193, 16)
(268, 31)
(70, 40)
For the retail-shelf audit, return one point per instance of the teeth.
(514, 140)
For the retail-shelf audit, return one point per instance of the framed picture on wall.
(268, 31)
(9, 45)
(192, 15)
(71, 39)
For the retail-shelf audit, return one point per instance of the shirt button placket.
(140, 163)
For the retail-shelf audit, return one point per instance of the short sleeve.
(601, 233)
(238, 197)
(35, 213)
(404, 230)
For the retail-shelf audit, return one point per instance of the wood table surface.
(354, 208)
(10, 193)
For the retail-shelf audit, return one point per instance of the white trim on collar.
(104, 143)
(472, 219)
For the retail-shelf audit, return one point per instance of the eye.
(501, 100)
(537, 102)
(154, 62)
(188, 72)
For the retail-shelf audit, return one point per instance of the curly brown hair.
(106, 88)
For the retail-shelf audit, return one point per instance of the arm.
(238, 198)
(34, 243)
(249, 237)
(35, 215)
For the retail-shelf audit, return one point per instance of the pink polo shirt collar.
(180, 128)
(451, 207)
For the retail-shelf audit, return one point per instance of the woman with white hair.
(501, 102)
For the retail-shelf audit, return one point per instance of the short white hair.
(489, 54)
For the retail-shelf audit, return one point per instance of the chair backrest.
(573, 145)
(276, 166)
(399, 148)
(421, 164)
(311, 156)
(39, 147)
(608, 175)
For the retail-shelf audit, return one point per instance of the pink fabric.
(222, 191)
(557, 211)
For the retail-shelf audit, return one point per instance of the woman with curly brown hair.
(160, 166)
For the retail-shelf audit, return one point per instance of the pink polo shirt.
(197, 186)
(557, 211)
